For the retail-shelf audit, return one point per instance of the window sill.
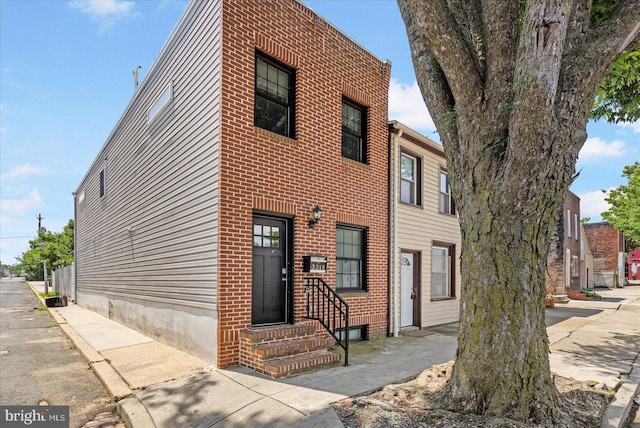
(352, 293)
(409, 204)
(274, 135)
(349, 161)
(442, 299)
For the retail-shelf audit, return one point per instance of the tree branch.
(600, 46)
(500, 35)
(441, 33)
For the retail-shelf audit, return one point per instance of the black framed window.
(274, 96)
(354, 131)
(447, 206)
(350, 258)
(410, 178)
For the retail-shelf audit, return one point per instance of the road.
(38, 364)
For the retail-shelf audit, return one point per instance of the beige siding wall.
(152, 238)
(418, 227)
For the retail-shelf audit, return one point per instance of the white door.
(406, 289)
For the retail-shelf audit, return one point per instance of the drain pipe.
(394, 230)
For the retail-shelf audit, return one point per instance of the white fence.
(64, 281)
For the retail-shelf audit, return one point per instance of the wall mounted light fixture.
(317, 213)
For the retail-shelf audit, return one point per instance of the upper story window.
(354, 131)
(569, 223)
(410, 179)
(447, 206)
(103, 183)
(274, 96)
(350, 258)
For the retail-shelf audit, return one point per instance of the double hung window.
(442, 271)
(410, 179)
(354, 131)
(274, 97)
(350, 258)
(447, 205)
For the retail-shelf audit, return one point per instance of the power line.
(14, 237)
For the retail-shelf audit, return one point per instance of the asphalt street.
(38, 364)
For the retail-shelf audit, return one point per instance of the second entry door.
(269, 271)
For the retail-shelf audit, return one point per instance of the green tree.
(54, 248)
(618, 99)
(624, 213)
(510, 86)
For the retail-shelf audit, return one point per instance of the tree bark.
(510, 95)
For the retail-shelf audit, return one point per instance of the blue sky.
(66, 77)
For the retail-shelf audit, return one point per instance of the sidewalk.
(157, 385)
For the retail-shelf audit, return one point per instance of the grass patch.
(49, 294)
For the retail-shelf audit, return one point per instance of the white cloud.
(407, 106)
(635, 126)
(592, 204)
(23, 170)
(20, 206)
(596, 148)
(106, 12)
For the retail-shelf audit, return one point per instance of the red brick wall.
(268, 172)
(606, 243)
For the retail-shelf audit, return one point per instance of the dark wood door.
(269, 289)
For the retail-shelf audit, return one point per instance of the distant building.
(586, 260)
(609, 248)
(563, 261)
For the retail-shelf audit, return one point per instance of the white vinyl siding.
(154, 239)
(418, 230)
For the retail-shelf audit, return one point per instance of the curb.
(619, 408)
(128, 406)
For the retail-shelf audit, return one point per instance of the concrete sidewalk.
(157, 385)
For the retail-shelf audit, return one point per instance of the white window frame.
(449, 271)
(445, 196)
(414, 181)
(161, 103)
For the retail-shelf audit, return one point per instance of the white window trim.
(161, 103)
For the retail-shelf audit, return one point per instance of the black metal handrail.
(325, 306)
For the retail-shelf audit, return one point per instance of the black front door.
(269, 289)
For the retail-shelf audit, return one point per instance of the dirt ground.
(412, 404)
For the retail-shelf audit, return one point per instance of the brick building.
(194, 221)
(609, 248)
(563, 261)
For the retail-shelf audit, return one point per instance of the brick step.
(296, 364)
(279, 332)
(270, 350)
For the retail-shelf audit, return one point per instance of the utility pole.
(44, 263)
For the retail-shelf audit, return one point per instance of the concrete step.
(301, 363)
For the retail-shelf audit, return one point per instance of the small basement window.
(356, 334)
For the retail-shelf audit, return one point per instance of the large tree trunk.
(510, 95)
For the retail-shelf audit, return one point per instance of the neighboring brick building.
(193, 221)
(609, 248)
(563, 261)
